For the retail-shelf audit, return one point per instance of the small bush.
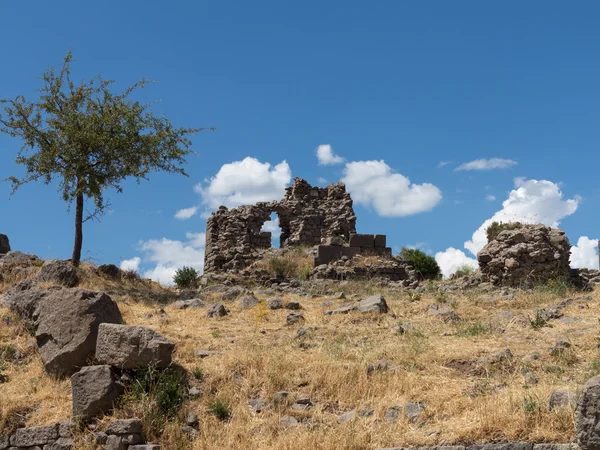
(198, 373)
(539, 321)
(496, 228)
(463, 270)
(305, 271)
(220, 409)
(556, 286)
(424, 264)
(282, 266)
(186, 277)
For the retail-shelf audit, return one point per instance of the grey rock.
(194, 303)
(95, 390)
(561, 398)
(587, 419)
(288, 422)
(66, 326)
(132, 347)
(205, 353)
(293, 306)
(373, 304)
(501, 357)
(144, 447)
(4, 244)
(110, 271)
(189, 431)
(66, 429)
(571, 446)
(122, 442)
(58, 272)
(192, 420)
(293, 318)
(216, 310)
(101, 437)
(506, 446)
(257, 404)
(446, 313)
(19, 259)
(60, 444)
(366, 412)
(4, 442)
(125, 426)
(194, 392)
(234, 292)
(393, 414)
(379, 366)
(413, 411)
(248, 301)
(31, 436)
(342, 310)
(275, 303)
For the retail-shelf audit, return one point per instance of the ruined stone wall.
(307, 214)
(523, 256)
(4, 244)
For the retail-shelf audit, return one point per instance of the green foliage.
(463, 270)
(532, 405)
(305, 271)
(186, 277)
(220, 409)
(539, 321)
(425, 265)
(496, 228)
(90, 139)
(555, 286)
(156, 395)
(198, 373)
(282, 266)
(474, 329)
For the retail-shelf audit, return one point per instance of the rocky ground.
(308, 365)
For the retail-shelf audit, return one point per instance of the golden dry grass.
(259, 355)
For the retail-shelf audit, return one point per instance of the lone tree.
(90, 139)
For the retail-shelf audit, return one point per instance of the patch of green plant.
(198, 373)
(215, 333)
(463, 270)
(424, 264)
(539, 321)
(440, 297)
(474, 329)
(220, 409)
(557, 370)
(156, 395)
(304, 272)
(414, 296)
(555, 285)
(186, 277)
(531, 405)
(496, 228)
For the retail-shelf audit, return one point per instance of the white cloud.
(443, 164)
(585, 253)
(131, 264)
(452, 259)
(326, 156)
(322, 180)
(490, 198)
(374, 184)
(245, 182)
(532, 201)
(186, 213)
(487, 164)
(196, 240)
(273, 227)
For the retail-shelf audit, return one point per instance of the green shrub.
(463, 270)
(424, 264)
(496, 228)
(282, 266)
(220, 409)
(186, 277)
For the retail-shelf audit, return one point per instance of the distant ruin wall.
(307, 214)
(4, 244)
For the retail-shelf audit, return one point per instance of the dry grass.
(258, 355)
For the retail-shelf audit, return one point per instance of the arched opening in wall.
(273, 226)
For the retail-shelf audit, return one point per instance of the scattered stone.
(234, 292)
(205, 353)
(288, 422)
(379, 366)
(501, 357)
(257, 404)
(530, 378)
(32, 436)
(366, 412)
(60, 444)
(190, 432)
(446, 313)
(304, 332)
(59, 272)
(347, 417)
(194, 303)
(560, 399)
(293, 318)
(192, 420)
(275, 303)
(373, 304)
(194, 392)
(342, 310)
(125, 426)
(393, 414)
(145, 447)
(132, 347)
(587, 419)
(293, 305)
(559, 347)
(216, 310)
(95, 390)
(413, 411)
(248, 301)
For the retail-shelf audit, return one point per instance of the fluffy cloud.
(585, 253)
(186, 213)
(490, 198)
(532, 201)
(374, 184)
(452, 259)
(167, 256)
(273, 227)
(131, 264)
(487, 164)
(245, 182)
(326, 156)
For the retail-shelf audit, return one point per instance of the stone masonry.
(308, 215)
(525, 255)
(4, 244)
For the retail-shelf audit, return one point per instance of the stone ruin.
(308, 216)
(522, 256)
(4, 244)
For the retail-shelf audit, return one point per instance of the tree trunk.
(76, 259)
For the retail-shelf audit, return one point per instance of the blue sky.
(395, 88)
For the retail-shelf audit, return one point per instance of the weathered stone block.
(587, 419)
(125, 426)
(362, 240)
(29, 437)
(95, 390)
(60, 444)
(379, 241)
(4, 244)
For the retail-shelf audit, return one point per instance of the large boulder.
(58, 272)
(587, 415)
(373, 304)
(132, 347)
(64, 321)
(526, 255)
(13, 258)
(4, 244)
(95, 389)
